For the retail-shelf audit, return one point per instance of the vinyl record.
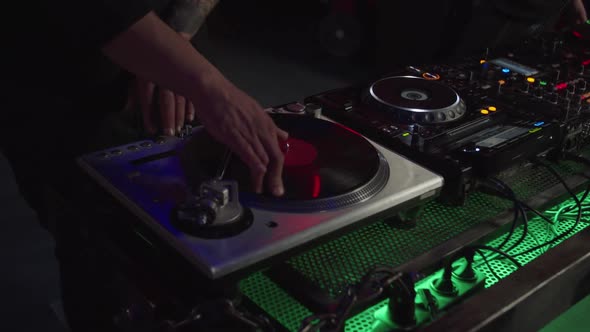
(323, 160)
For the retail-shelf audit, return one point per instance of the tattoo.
(189, 15)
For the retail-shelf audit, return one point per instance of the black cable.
(535, 211)
(484, 247)
(514, 219)
(559, 178)
(509, 193)
(525, 229)
(485, 260)
(578, 217)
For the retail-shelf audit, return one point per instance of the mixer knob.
(582, 85)
(553, 98)
(538, 92)
(526, 87)
(582, 69)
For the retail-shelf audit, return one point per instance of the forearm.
(153, 51)
(187, 16)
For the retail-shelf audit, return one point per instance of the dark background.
(277, 51)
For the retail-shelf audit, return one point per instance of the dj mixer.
(431, 198)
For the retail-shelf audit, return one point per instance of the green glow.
(342, 261)
(406, 134)
(382, 321)
(588, 22)
(543, 83)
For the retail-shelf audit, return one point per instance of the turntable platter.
(416, 100)
(326, 166)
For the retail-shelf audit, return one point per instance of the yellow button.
(530, 79)
(492, 109)
(484, 112)
(482, 61)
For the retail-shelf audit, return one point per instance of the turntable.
(197, 197)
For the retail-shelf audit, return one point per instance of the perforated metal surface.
(537, 227)
(334, 265)
(343, 261)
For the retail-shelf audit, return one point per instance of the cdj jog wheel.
(416, 100)
(327, 166)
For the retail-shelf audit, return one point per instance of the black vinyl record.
(322, 160)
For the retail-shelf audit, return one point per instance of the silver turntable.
(201, 218)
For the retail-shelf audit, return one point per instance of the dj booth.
(447, 197)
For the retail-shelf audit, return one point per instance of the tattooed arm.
(187, 16)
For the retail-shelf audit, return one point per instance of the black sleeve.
(93, 23)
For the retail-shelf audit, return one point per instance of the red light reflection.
(317, 183)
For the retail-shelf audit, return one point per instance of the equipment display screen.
(515, 66)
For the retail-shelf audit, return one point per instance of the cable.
(509, 193)
(516, 213)
(535, 211)
(483, 256)
(509, 257)
(578, 216)
(559, 178)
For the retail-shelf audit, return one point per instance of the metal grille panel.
(334, 265)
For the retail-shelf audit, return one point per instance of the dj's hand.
(238, 121)
(161, 108)
(580, 11)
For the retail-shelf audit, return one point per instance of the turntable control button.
(441, 116)
(146, 145)
(451, 114)
(160, 140)
(116, 152)
(103, 155)
(133, 148)
(428, 118)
